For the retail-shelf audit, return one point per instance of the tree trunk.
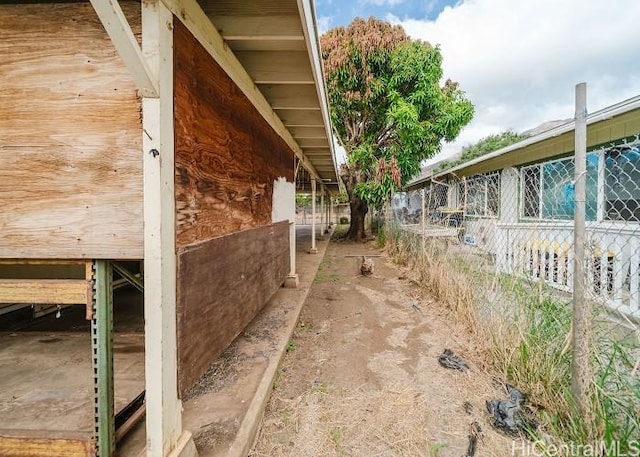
(358, 212)
(350, 177)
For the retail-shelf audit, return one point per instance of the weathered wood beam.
(43, 291)
(194, 18)
(29, 443)
(118, 29)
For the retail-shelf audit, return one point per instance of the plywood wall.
(222, 284)
(231, 256)
(70, 136)
(227, 155)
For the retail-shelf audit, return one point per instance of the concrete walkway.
(225, 409)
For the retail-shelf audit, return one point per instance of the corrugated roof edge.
(609, 112)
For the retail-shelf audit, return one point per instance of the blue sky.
(340, 12)
(517, 60)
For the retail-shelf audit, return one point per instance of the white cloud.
(324, 24)
(381, 2)
(519, 60)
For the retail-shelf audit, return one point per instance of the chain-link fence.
(499, 248)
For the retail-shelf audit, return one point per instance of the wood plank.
(293, 96)
(268, 67)
(222, 284)
(263, 27)
(70, 168)
(308, 132)
(227, 155)
(301, 118)
(261, 44)
(43, 291)
(253, 8)
(26, 443)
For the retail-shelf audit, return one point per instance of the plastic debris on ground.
(510, 415)
(449, 360)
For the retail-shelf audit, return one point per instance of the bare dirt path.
(361, 377)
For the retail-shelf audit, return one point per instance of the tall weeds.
(524, 329)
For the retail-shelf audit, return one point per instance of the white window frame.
(600, 216)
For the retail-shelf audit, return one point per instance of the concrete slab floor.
(46, 386)
(224, 409)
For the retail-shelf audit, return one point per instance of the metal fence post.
(582, 307)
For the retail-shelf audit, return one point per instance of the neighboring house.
(161, 138)
(518, 204)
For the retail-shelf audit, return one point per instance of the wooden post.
(314, 249)
(322, 210)
(582, 308)
(164, 409)
(331, 209)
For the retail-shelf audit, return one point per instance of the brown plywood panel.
(222, 284)
(227, 155)
(70, 136)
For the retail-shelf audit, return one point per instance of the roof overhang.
(276, 43)
(607, 125)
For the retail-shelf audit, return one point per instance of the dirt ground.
(361, 376)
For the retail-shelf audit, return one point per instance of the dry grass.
(524, 331)
(388, 421)
(433, 272)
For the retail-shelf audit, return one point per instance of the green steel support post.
(102, 351)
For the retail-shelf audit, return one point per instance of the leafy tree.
(388, 109)
(303, 200)
(484, 146)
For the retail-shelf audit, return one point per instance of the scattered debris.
(471, 450)
(416, 307)
(509, 415)
(449, 360)
(366, 266)
(468, 407)
(476, 430)
(475, 434)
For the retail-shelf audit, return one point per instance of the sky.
(517, 60)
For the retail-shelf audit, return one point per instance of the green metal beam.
(102, 351)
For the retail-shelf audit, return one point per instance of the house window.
(481, 195)
(622, 183)
(548, 191)
(531, 191)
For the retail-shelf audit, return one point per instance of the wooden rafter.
(118, 29)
